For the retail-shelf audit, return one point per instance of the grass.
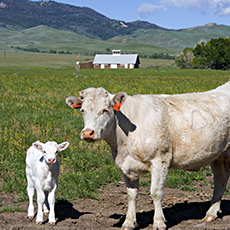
(10, 209)
(33, 108)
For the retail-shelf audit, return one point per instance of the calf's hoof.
(46, 213)
(30, 217)
(127, 228)
(209, 218)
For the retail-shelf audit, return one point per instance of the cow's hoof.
(162, 228)
(46, 213)
(127, 228)
(39, 223)
(30, 217)
(209, 218)
(52, 223)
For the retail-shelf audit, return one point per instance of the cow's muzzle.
(88, 135)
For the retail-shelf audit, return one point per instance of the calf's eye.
(45, 152)
(83, 111)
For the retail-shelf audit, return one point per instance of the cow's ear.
(74, 102)
(118, 100)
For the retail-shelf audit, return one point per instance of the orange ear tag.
(76, 106)
(117, 106)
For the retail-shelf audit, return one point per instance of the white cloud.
(223, 8)
(146, 9)
(219, 7)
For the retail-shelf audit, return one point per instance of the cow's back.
(199, 127)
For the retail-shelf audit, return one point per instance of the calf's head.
(50, 150)
(97, 107)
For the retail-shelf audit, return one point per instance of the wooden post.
(4, 54)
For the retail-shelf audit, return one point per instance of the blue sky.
(171, 14)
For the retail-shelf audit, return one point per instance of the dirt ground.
(183, 210)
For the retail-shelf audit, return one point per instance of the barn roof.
(116, 59)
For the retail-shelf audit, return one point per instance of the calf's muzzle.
(51, 161)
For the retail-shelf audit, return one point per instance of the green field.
(33, 91)
(26, 60)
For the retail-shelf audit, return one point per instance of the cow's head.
(97, 107)
(50, 150)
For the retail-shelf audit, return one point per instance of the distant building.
(116, 60)
(86, 65)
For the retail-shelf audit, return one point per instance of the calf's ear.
(38, 145)
(63, 146)
(118, 100)
(74, 102)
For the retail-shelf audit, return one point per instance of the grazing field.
(33, 108)
(24, 60)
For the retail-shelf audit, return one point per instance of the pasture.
(33, 108)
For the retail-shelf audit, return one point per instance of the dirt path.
(183, 210)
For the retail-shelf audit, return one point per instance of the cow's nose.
(88, 134)
(51, 160)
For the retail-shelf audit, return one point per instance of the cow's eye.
(45, 152)
(105, 111)
(83, 111)
(57, 152)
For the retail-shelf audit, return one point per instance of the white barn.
(116, 60)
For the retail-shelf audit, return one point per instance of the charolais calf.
(42, 170)
(152, 133)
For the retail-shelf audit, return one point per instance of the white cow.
(152, 133)
(42, 170)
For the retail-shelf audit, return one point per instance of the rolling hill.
(45, 38)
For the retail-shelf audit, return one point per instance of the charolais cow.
(152, 133)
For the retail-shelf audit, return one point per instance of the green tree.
(185, 59)
(214, 55)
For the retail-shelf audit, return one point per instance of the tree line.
(36, 50)
(215, 54)
(108, 51)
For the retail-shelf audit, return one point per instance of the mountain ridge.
(82, 20)
(98, 31)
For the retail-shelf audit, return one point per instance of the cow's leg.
(220, 169)
(132, 187)
(158, 178)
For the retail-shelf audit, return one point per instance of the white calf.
(42, 170)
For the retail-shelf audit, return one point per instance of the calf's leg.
(40, 202)
(30, 192)
(51, 200)
(220, 169)
(46, 205)
(132, 187)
